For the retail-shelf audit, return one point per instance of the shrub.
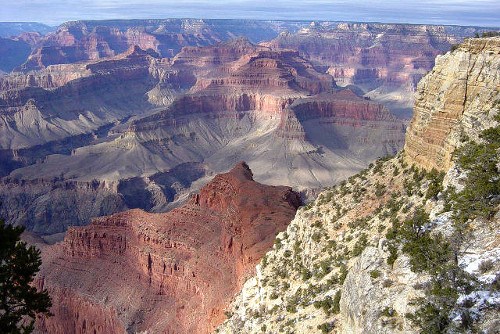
(435, 185)
(479, 198)
(316, 237)
(306, 274)
(360, 245)
(342, 274)
(375, 274)
(485, 266)
(379, 189)
(326, 327)
(388, 312)
(393, 254)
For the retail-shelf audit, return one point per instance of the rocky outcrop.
(453, 101)
(170, 273)
(338, 269)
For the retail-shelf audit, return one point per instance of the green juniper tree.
(19, 300)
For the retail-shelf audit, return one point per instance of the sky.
(458, 12)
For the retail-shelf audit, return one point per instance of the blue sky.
(459, 12)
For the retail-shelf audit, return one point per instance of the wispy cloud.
(461, 12)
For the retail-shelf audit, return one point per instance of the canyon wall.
(385, 60)
(453, 101)
(167, 273)
(344, 265)
(90, 40)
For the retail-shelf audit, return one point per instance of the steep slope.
(396, 248)
(165, 273)
(385, 60)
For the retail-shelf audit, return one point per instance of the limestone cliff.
(453, 100)
(376, 253)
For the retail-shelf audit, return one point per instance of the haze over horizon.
(449, 12)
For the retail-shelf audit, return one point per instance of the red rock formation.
(166, 273)
(91, 40)
(238, 76)
(371, 54)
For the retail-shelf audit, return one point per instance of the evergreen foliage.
(20, 302)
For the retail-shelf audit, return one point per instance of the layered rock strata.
(336, 268)
(90, 40)
(385, 60)
(453, 101)
(209, 105)
(166, 273)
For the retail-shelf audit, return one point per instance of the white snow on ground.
(471, 261)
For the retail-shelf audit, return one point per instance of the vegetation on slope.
(386, 207)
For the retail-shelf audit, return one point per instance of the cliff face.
(453, 101)
(386, 60)
(345, 264)
(165, 273)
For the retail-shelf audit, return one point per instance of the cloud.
(461, 12)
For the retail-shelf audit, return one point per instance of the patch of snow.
(439, 219)
(455, 178)
(481, 299)
(470, 262)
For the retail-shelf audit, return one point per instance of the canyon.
(172, 272)
(330, 269)
(344, 265)
(212, 106)
(116, 138)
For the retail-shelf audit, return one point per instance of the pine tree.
(20, 302)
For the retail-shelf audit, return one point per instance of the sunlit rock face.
(452, 101)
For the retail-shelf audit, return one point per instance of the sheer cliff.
(399, 247)
(453, 102)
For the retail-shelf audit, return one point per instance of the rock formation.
(345, 265)
(453, 101)
(90, 40)
(385, 60)
(208, 105)
(165, 273)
